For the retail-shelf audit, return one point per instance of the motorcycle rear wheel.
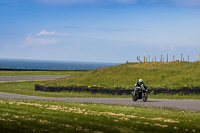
(144, 96)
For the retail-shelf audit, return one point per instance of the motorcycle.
(139, 93)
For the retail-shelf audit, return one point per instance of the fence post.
(167, 57)
(144, 59)
(173, 58)
(149, 59)
(155, 58)
(188, 58)
(161, 58)
(181, 57)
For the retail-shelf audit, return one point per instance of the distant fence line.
(163, 59)
(117, 90)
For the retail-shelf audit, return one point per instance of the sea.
(24, 64)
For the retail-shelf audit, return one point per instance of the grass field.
(42, 116)
(155, 74)
(27, 88)
(46, 116)
(24, 73)
(174, 75)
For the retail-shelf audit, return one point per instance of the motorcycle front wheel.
(134, 97)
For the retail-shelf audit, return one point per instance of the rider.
(140, 83)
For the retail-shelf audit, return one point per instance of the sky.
(99, 30)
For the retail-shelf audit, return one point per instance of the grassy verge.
(27, 88)
(42, 116)
(24, 73)
(155, 74)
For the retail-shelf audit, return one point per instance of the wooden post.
(181, 57)
(167, 57)
(155, 58)
(188, 58)
(149, 59)
(173, 58)
(144, 59)
(161, 58)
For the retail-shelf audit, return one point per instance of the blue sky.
(99, 30)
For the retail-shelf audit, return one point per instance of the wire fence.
(163, 58)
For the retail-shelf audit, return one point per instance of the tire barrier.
(117, 90)
(93, 90)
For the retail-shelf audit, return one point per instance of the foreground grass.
(27, 88)
(24, 73)
(156, 74)
(42, 116)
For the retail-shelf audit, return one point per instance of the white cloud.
(34, 41)
(43, 38)
(44, 32)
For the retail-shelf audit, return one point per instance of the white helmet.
(140, 80)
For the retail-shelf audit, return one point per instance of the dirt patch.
(171, 121)
(165, 120)
(161, 125)
(156, 119)
(44, 121)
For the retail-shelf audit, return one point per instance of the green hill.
(172, 74)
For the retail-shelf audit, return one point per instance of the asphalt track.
(161, 103)
(30, 78)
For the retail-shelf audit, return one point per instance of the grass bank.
(27, 73)
(155, 74)
(42, 116)
(27, 88)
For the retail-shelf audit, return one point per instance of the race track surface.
(30, 78)
(178, 104)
